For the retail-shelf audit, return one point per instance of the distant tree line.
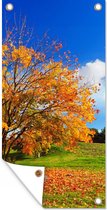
(99, 137)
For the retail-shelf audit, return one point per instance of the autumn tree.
(43, 101)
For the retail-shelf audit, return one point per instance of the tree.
(43, 102)
(99, 137)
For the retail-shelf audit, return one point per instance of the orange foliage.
(43, 102)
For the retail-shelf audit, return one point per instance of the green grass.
(85, 155)
(72, 200)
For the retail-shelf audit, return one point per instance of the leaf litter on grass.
(73, 188)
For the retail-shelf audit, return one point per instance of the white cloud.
(94, 73)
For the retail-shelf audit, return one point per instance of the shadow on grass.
(14, 156)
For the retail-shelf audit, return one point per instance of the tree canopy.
(43, 101)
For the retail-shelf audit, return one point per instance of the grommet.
(98, 7)
(9, 7)
(98, 201)
(38, 173)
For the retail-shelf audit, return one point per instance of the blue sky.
(77, 25)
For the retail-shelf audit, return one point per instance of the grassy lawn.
(67, 188)
(89, 156)
(79, 179)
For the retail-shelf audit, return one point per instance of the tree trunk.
(38, 155)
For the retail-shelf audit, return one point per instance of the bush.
(99, 137)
